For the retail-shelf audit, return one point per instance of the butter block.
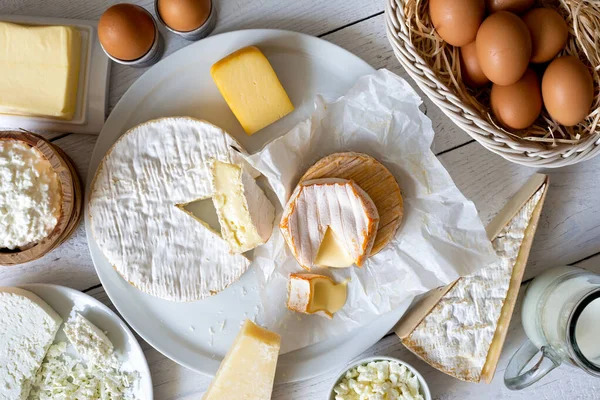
(251, 89)
(39, 70)
(316, 294)
(248, 370)
(245, 213)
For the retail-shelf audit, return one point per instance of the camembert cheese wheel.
(331, 220)
(137, 209)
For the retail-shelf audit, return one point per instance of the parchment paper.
(441, 237)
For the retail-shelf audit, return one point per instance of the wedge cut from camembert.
(315, 294)
(460, 335)
(248, 370)
(337, 206)
(138, 216)
(245, 213)
(28, 326)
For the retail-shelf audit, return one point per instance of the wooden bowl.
(71, 207)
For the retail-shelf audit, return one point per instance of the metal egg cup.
(199, 33)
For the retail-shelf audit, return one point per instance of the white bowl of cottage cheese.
(379, 378)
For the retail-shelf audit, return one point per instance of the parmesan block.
(28, 326)
(245, 214)
(248, 370)
(251, 89)
(39, 70)
(329, 222)
(315, 294)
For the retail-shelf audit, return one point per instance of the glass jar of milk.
(561, 317)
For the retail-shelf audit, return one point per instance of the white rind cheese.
(88, 340)
(245, 213)
(137, 215)
(315, 294)
(30, 195)
(28, 326)
(336, 204)
(456, 335)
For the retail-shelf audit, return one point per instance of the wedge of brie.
(137, 211)
(315, 294)
(329, 222)
(457, 336)
(245, 214)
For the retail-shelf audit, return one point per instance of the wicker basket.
(477, 125)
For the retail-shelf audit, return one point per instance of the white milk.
(548, 304)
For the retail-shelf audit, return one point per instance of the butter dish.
(92, 86)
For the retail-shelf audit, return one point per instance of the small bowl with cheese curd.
(379, 378)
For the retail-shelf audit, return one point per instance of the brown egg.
(514, 6)
(457, 21)
(126, 31)
(517, 106)
(568, 90)
(503, 47)
(549, 33)
(184, 15)
(471, 71)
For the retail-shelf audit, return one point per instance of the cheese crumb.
(379, 380)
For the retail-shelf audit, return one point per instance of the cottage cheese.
(30, 195)
(379, 380)
(27, 329)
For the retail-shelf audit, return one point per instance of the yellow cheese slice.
(39, 70)
(251, 89)
(316, 294)
(332, 253)
(248, 370)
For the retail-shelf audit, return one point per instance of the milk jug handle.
(514, 376)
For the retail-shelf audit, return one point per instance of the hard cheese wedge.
(245, 213)
(248, 370)
(251, 89)
(39, 70)
(464, 327)
(315, 294)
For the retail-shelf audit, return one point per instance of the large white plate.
(64, 300)
(192, 334)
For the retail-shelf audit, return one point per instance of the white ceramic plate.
(64, 300)
(197, 335)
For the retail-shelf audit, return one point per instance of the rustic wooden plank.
(569, 229)
(368, 40)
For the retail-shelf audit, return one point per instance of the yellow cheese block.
(332, 253)
(39, 70)
(248, 370)
(251, 89)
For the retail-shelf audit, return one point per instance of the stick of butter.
(251, 89)
(39, 70)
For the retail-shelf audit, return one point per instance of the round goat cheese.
(137, 209)
(30, 195)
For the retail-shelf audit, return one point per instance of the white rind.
(260, 208)
(154, 244)
(339, 204)
(457, 334)
(28, 326)
(30, 195)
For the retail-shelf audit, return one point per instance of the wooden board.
(71, 200)
(375, 179)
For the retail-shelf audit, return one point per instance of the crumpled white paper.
(441, 237)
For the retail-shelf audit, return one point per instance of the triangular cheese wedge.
(332, 253)
(463, 333)
(315, 294)
(248, 370)
(338, 205)
(245, 213)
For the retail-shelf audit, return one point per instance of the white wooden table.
(569, 230)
